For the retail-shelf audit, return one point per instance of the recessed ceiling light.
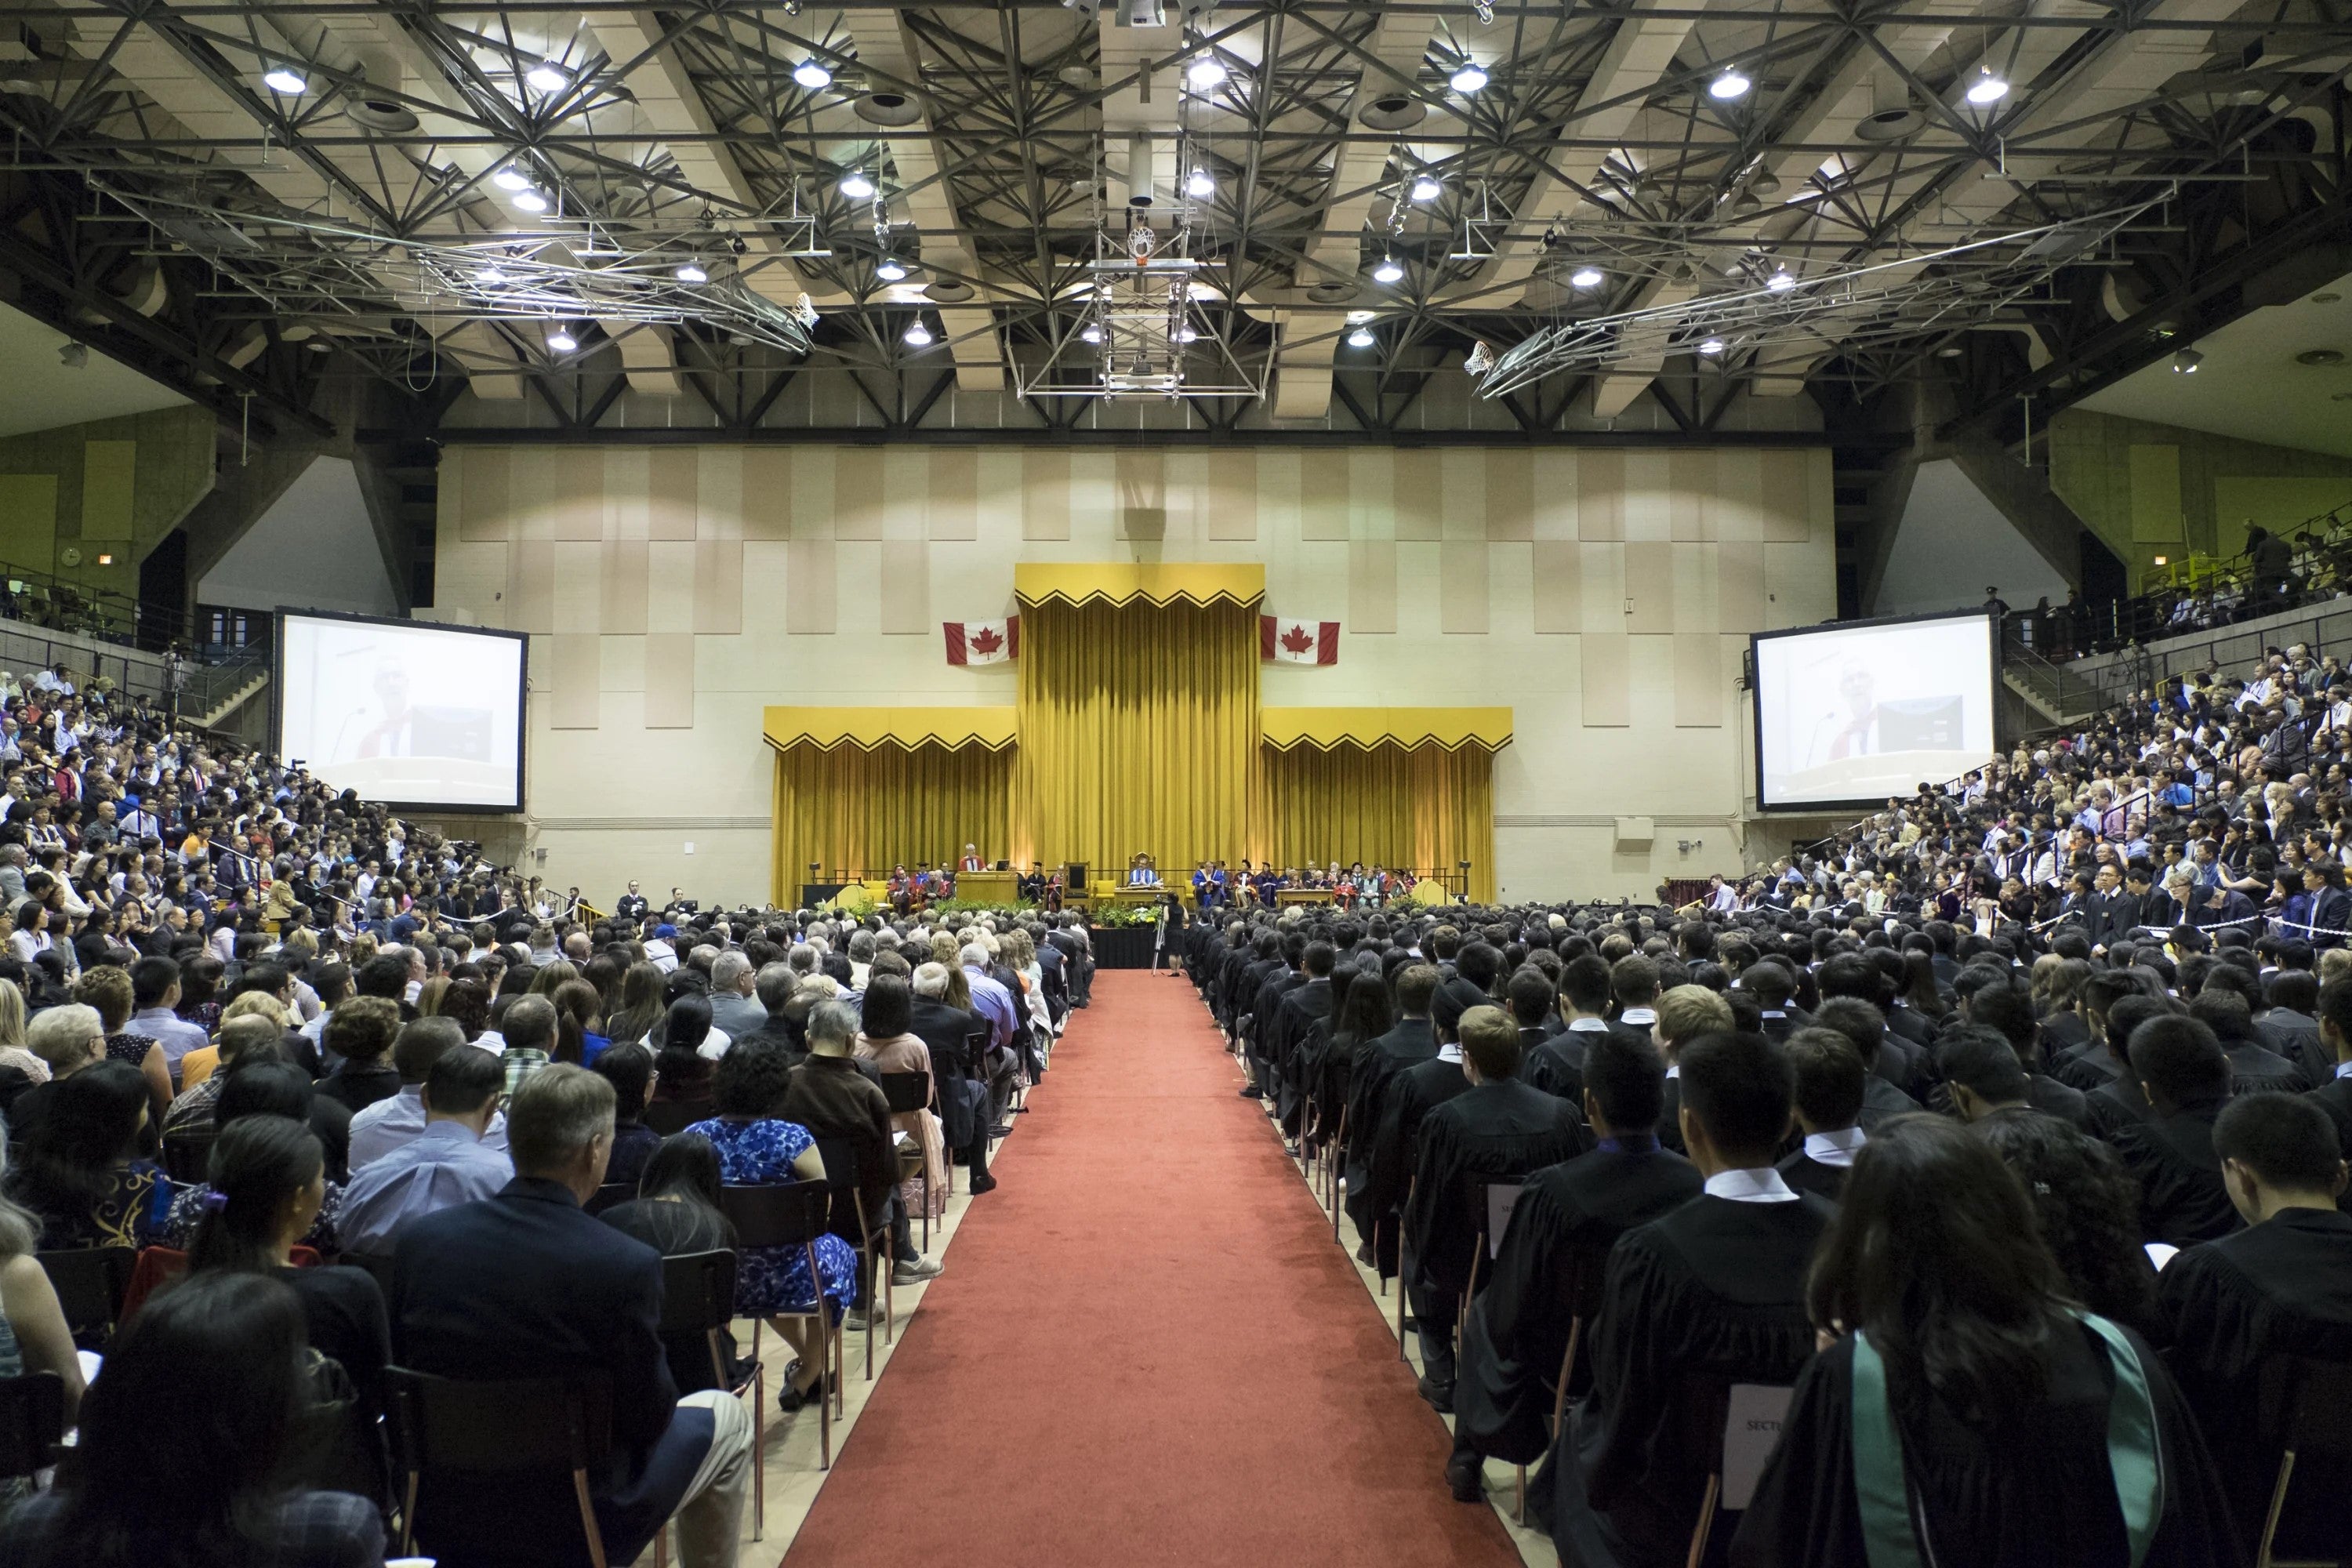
(1587, 278)
(890, 270)
(562, 341)
(1470, 77)
(1987, 90)
(2320, 357)
(529, 201)
(511, 179)
(547, 77)
(1711, 346)
(1388, 271)
(1362, 338)
(1205, 73)
(1425, 188)
(282, 80)
(1199, 187)
(811, 75)
(1780, 282)
(692, 272)
(918, 335)
(855, 186)
(1728, 86)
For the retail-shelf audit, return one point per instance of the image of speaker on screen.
(405, 713)
(396, 727)
(1852, 714)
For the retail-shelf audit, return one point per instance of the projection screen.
(1846, 716)
(407, 714)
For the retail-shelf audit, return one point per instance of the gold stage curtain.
(852, 810)
(1139, 730)
(1422, 809)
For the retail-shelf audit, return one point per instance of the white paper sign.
(1751, 1430)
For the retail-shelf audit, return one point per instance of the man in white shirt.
(446, 1163)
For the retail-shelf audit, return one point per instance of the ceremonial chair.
(547, 1424)
(792, 1216)
(2304, 1408)
(1736, 1425)
(909, 1091)
(844, 1175)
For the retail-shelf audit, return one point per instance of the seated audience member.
(2121, 1102)
(966, 1110)
(1556, 1065)
(1685, 1013)
(107, 988)
(526, 1284)
(528, 1033)
(83, 1166)
(757, 1148)
(1981, 1073)
(630, 1070)
(682, 1074)
(2185, 1078)
(268, 1176)
(389, 1123)
(1412, 1041)
(2282, 1286)
(1884, 1053)
(1716, 1289)
(33, 1332)
(193, 1111)
(2333, 1094)
(445, 1164)
(361, 1033)
(886, 1039)
(67, 1040)
(264, 1084)
(735, 1010)
(676, 1213)
(2009, 1011)
(2088, 1207)
(14, 1051)
(1829, 1078)
(1498, 1128)
(218, 1365)
(1411, 1094)
(155, 998)
(1962, 1379)
(833, 1095)
(1567, 1219)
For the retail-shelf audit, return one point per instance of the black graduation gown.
(1395, 1153)
(2334, 1097)
(2254, 1070)
(2050, 1096)
(2087, 1068)
(1881, 1100)
(1302, 1009)
(2282, 1286)
(1556, 1065)
(1716, 1288)
(2120, 1104)
(2036, 1492)
(1807, 1174)
(1501, 1129)
(1570, 1216)
(2296, 1037)
(1411, 1042)
(1266, 1009)
(2182, 1200)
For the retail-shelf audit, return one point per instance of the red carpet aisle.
(1146, 1349)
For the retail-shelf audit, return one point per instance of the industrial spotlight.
(2186, 361)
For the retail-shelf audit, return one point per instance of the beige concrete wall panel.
(1600, 495)
(1419, 488)
(576, 673)
(1324, 504)
(1608, 681)
(906, 586)
(485, 514)
(719, 586)
(1373, 587)
(1559, 569)
(811, 592)
(1691, 481)
(624, 586)
(1510, 495)
(671, 492)
(669, 681)
(766, 477)
(1650, 586)
(1461, 607)
(951, 509)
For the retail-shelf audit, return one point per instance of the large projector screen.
(410, 715)
(1846, 716)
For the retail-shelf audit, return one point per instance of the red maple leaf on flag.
(985, 640)
(1297, 639)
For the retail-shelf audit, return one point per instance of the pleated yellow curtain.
(1421, 809)
(1139, 732)
(851, 810)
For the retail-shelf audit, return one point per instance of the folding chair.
(2304, 1408)
(845, 1173)
(379, 1268)
(698, 1298)
(612, 1194)
(1331, 1163)
(794, 1215)
(909, 1091)
(187, 1154)
(975, 1068)
(91, 1283)
(443, 1427)
(1734, 1426)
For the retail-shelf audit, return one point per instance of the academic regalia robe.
(1411, 1042)
(2062, 1032)
(2296, 1037)
(1568, 1217)
(2087, 1068)
(1302, 1009)
(2031, 1493)
(1274, 982)
(1716, 1288)
(2121, 1104)
(2334, 1098)
(2050, 1096)
(1501, 1129)
(2281, 1288)
(1670, 1121)
(1807, 1174)
(2182, 1200)
(2255, 1070)
(1556, 1065)
(1881, 1100)
(1395, 1153)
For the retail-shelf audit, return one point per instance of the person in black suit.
(2331, 904)
(527, 1284)
(2181, 1067)
(1411, 1042)
(2290, 1025)
(967, 1112)
(1567, 1219)
(1829, 1077)
(1557, 1065)
(1395, 1153)
(2335, 1095)
(1772, 985)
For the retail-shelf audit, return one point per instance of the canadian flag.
(983, 642)
(1298, 642)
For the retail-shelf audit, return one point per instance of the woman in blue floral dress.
(756, 1149)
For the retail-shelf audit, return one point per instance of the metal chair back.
(515, 1426)
(90, 1283)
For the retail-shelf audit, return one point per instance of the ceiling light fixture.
(1358, 318)
(1711, 347)
(547, 77)
(918, 335)
(1092, 334)
(285, 79)
(2186, 361)
(855, 186)
(1362, 338)
(1187, 335)
(562, 341)
(811, 75)
(1988, 88)
(1728, 86)
(890, 270)
(692, 272)
(1425, 188)
(1469, 77)
(1780, 282)
(1199, 187)
(1587, 278)
(529, 201)
(1205, 73)
(1388, 271)
(511, 179)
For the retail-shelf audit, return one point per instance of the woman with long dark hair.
(641, 1005)
(676, 1213)
(2088, 1207)
(85, 1168)
(217, 1367)
(682, 1074)
(1965, 1409)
